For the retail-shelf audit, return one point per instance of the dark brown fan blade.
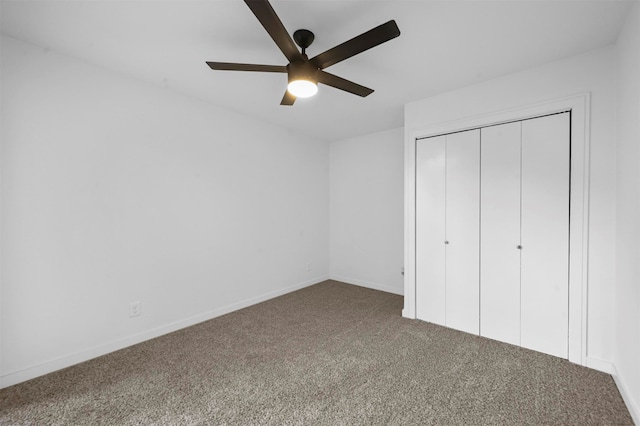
(342, 84)
(270, 21)
(359, 44)
(287, 99)
(230, 66)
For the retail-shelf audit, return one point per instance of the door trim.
(579, 105)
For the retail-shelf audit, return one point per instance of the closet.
(492, 232)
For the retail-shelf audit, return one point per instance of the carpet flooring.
(332, 354)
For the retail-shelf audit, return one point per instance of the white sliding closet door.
(447, 230)
(430, 229)
(500, 233)
(463, 230)
(545, 234)
(492, 232)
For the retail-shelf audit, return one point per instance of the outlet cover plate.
(134, 309)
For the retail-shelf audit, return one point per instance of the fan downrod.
(303, 38)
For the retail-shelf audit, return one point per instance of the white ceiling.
(443, 45)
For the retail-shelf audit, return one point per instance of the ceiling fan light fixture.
(302, 88)
(304, 73)
(303, 79)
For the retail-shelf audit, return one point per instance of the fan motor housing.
(302, 70)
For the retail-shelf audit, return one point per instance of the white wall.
(626, 354)
(116, 191)
(366, 210)
(591, 72)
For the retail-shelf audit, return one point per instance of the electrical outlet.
(134, 309)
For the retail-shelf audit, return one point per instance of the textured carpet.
(328, 354)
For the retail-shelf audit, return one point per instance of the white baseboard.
(632, 406)
(16, 377)
(598, 364)
(406, 314)
(367, 284)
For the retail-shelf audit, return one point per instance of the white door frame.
(579, 105)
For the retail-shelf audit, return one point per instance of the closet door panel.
(545, 234)
(430, 229)
(462, 230)
(500, 233)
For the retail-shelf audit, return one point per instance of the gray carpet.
(328, 354)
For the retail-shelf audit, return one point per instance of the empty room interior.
(445, 231)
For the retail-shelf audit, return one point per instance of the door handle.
(519, 247)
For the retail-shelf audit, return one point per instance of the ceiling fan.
(304, 74)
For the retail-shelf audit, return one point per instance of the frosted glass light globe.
(302, 88)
